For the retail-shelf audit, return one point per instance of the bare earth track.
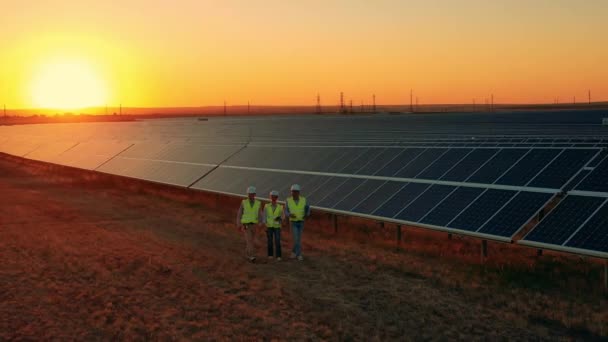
(95, 261)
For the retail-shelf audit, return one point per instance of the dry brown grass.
(87, 256)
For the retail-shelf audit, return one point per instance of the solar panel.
(193, 153)
(378, 197)
(283, 182)
(91, 155)
(497, 165)
(338, 194)
(401, 200)
(596, 180)
(563, 221)
(402, 160)
(481, 210)
(358, 194)
(452, 206)
(513, 216)
(226, 180)
(444, 163)
(418, 165)
(598, 158)
(48, 152)
(378, 162)
(145, 150)
(325, 188)
(360, 161)
(593, 235)
(558, 172)
(346, 157)
(425, 202)
(576, 179)
(171, 173)
(530, 165)
(19, 148)
(467, 166)
(308, 159)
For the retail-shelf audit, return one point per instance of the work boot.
(293, 255)
(300, 258)
(252, 259)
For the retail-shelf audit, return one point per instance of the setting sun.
(68, 84)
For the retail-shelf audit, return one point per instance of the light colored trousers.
(249, 233)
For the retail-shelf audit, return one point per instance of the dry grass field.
(94, 257)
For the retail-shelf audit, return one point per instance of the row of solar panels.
(256, 131)
(540, 168)
(387, 130)
(337, 143)
(578, 224)
(425, 144)
(473, 209)
(499, 214)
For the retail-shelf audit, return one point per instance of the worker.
(247, 219)
(273, 218)
(297, 210)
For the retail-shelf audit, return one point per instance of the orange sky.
(191, 53)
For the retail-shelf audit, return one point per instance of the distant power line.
(318, 104)
(411, 100)
(374, 103)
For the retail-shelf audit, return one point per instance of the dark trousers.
(274, 238)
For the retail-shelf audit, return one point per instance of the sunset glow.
(197, 53)
(66, 84)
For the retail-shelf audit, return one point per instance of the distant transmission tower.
(589, 94)
(342, 108)
(5, 111)
(351, 106)
(248, 108)
(411, 100)
(374, 103)
(417, 109)
(492, 104)
(318, 104)
(224, 108)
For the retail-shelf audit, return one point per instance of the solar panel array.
(580, 222)
(472, 183)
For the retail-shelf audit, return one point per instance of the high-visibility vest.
(299, 209)
(273, 215)
(250, 212)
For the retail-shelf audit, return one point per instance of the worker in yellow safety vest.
(247, 219)
(297, 209)
(273, 219)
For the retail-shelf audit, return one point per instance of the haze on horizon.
(79, 53)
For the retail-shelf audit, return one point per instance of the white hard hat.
(295, 187)
(251, 190)
(274, 193)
